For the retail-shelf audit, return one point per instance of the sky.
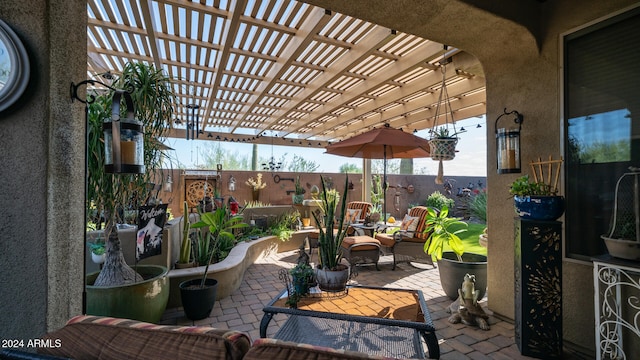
(470, 160)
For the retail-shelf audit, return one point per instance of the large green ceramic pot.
(143, 301)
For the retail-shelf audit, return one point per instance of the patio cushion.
(352, 215)
(386, 240)
(93, 337)
(362, 239)
(273, 349)
(364, 206)
(409, 224)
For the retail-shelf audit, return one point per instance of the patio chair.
(357, 211)
(407, 245)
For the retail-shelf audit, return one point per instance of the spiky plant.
(330, 241)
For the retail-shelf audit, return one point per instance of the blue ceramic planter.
(536, 207)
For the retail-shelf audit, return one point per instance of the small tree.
(153, 100)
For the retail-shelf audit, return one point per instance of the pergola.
(282, 71)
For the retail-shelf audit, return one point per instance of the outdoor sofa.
(107, 338)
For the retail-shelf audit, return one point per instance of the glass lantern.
(123, 139)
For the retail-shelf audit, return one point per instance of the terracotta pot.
(306, 222)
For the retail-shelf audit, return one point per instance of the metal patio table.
(383, 321)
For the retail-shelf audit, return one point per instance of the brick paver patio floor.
(243, 309)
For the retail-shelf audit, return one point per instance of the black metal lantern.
(508, 145)
(123, 139)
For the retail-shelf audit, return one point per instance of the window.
(602, 125)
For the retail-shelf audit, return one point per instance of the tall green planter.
(143, 301)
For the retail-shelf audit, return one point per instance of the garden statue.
(466, 308)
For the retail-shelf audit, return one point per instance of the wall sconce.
(123, 138)
(232, 183)
(508, 144)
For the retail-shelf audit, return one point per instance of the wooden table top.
(370, 302)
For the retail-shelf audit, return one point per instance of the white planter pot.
(98, 259)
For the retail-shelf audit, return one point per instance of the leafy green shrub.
(437, 201)
(285, 225)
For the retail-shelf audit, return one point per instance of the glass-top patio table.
(383, 321)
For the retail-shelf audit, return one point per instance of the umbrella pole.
(384, 185)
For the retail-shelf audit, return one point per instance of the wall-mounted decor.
(14, 67)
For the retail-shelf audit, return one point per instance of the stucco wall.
(522, 68)
(41, 147)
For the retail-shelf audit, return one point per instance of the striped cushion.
(361, 205)
(93, 337)
(273, 349)
(421, 213)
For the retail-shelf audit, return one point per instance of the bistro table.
(384, 321)
(376, 227)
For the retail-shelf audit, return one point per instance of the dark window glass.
(602, 126)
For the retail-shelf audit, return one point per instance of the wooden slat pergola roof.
(282, 69)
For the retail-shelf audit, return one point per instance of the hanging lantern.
(123, 139)
(508, 145)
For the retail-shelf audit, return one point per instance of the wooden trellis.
(547, 172)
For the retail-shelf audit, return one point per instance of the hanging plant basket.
(443, 148)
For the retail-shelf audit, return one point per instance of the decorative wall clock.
(14, 67)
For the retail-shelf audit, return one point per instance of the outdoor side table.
(383, 321)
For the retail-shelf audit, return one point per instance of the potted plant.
(298, 196)
(98, 249)
(301, 281)
(113, 291)
(536, 200)
(185, 259)
(199, 295)
(443, 144)
(453, 266)
(331, 274)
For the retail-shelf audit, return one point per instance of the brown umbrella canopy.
(382, 143)
(376, 143)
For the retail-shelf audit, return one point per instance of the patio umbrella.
(382, 143)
